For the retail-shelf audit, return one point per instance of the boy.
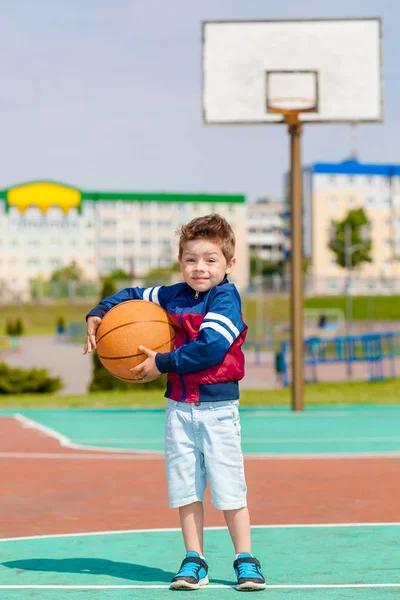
(202, 433)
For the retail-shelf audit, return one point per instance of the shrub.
(102, 380)
(27, 381)
(15, 327)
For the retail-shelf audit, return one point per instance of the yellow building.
(330, 190)
(46, 225)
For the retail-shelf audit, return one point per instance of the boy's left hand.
(147, 370)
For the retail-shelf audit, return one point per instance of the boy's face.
(203, 265)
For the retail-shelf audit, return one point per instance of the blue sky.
(107, 95)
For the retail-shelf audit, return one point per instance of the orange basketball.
(125, 327)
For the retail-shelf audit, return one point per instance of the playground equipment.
(378, 351)
(317, 322)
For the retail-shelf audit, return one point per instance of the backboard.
(332, 66)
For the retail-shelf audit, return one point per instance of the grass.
(40, 319)
(317, 394)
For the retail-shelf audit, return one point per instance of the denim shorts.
(202, 442)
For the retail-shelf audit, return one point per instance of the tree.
(358, 245)
(108, 287)
(71, 272)
(120, 275)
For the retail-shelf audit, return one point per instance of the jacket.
(207, 361)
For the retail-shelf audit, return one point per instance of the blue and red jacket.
(207, 361)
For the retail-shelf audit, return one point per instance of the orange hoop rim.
(291, 111)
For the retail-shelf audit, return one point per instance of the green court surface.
(300, 562)
(338, 430)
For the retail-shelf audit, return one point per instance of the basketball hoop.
(291, 106)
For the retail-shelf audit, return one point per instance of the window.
(145, 243)
(145, 223)
(370, 201)
(332, 201)
(332, 284)
(351, 201)
(388, 242)
(332, 178)
(388, 201)
(350, 178)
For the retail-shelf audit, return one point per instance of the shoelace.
(190, 569)
(247, 569)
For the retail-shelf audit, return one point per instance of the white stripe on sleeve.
(154, 296)
(220, 329)
(223, 319)
(146, 294)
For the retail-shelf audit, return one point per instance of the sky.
(106, 95)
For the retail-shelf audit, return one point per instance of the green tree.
(264, 267)
(358, 244)
(71, 272)
(120, 275)
(108, 287)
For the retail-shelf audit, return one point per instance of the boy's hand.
(92, 325)
(147, 370)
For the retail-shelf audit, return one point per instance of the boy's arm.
(159, 295)
(222, 325)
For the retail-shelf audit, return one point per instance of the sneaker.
(192, 574)
(248, 573)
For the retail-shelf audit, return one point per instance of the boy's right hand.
(92, 325)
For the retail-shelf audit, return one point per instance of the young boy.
(202, 433)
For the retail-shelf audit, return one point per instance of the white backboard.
(248, 64)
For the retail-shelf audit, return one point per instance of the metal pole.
(348, 263)
(349, 300)
(295, 128)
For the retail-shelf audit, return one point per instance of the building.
(266, 229)
(330, 190)
(46, 225)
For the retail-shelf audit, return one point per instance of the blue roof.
(353, 167)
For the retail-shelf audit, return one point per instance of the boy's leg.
(238, 522)
(192, 523)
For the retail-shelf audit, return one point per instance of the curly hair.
(213, 228)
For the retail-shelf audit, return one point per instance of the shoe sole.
(250, 586)
(182, 584)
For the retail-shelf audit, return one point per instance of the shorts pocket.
(170, 409)
(227, 415)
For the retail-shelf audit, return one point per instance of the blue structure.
(376, 350)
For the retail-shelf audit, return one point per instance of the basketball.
(125, 327)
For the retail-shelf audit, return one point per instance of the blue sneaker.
(192, 574)
(248, 573)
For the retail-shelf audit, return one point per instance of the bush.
(27, 381)
(102, 380)
(15, 327)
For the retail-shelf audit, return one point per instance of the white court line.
(316, 586)
(143, 455)
(65, 441)
(212, 528)
(58, 456)
(252, 440)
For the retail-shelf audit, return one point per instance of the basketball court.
(84, 497)
(85, 513)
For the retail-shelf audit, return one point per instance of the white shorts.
(202, 441)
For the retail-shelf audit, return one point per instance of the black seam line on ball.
(133, 323)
